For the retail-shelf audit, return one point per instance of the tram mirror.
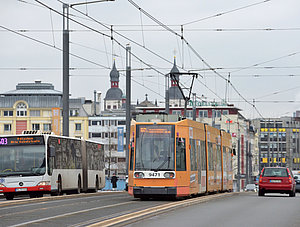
(52, 151)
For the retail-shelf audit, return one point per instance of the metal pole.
(247, 161)
(167, 102)
(239, 163)
(128, 101)
(65, 70)
(194, 106)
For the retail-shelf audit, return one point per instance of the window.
(203, 113)
(121, 122)
(35, 113)
(94, 122)
(47, 127)
(35, 126)
(180, 154)
(78, 127)
(225, 112)
(189, 114)
(108, 106)
(74, 113)
(96, 135)
(178, 112)
(8, 113)
(21, 109)
(7, 127)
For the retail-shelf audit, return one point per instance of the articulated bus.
(37, 164)
(178, 159)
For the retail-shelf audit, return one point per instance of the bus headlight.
(139, 175)
(169, 175)
(43, 183)
(2, 185)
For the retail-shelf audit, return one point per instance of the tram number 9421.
(154, 174)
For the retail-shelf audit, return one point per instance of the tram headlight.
(139, 175)
(169, 175)
(2, 185)
(43, 183)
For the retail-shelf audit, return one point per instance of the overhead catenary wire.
(193, 50)
(229, 11)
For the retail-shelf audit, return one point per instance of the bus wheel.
(59, 186)
(32, 195)
(9, 196)
(79, 186)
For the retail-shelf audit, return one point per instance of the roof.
(36, 88)
(114, 93)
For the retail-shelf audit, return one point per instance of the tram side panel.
(214, 172)
(227, 161)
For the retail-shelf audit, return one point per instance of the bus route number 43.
(3, 141)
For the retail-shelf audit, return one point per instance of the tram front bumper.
(154, 191)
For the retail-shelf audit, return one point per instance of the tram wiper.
(162, 164)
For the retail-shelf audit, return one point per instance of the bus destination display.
(21, 140)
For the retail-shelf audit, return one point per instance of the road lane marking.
(71, 213)
(156, 209)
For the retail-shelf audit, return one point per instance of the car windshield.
(275, 172)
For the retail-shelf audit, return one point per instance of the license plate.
(275, 181)
(21, 189)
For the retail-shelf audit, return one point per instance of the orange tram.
(178, 159)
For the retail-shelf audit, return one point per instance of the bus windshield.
(22, 160)
(155, 147)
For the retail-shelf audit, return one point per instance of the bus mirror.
(52, 151)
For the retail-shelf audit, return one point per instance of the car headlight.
(43, 183)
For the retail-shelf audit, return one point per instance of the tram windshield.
(155, 147)
(22, 156)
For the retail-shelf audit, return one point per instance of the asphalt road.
(226, 209)
(78, 210)
(244, 209)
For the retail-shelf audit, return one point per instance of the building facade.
(278, 142)
(37, 106)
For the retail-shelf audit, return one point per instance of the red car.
(276, 180)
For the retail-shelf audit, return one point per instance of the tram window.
(180, 154)
(203, 156)
(193, 161)
(210, 156)
(131, 158)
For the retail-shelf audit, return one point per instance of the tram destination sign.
(21, 140)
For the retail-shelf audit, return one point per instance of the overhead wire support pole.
(167, 97)
(66, 70)
(186, 98)
(128, 102)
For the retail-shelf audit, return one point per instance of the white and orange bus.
(37, 164)
(178, 159)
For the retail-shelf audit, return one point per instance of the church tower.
(113, 98)
(175, 96)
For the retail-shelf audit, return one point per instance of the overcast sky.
(257, 42)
